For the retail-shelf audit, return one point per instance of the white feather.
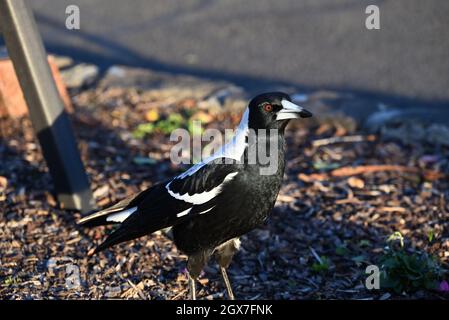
(183, 213)
(122, 215)
(205, 211)
(203, 197)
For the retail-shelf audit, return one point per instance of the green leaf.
(358, 259)
(342, 250)
(176, 119)
(143, 129)
(364, 243)
(396, 236)
(430, 235)
(321, 267)
(194, 129)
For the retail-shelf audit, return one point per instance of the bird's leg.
(195, 264)
(224, 254)
(192, 288)
(224, 274)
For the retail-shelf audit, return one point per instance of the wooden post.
(46, 108)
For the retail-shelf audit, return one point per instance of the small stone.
(80, 75)
(101, 192)
(3, 183)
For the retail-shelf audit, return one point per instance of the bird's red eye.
(268, 107)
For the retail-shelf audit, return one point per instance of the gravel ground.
(325, 211)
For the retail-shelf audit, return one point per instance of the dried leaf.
(152, 115)
(357, 183)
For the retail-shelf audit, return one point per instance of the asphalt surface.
(310, 45)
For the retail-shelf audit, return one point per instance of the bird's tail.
(105, 217)
(115, 214)
(111, 216)
(127, 214)
(132, 228)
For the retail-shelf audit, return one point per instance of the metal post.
(46, 108)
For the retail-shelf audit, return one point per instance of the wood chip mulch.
(340, 200)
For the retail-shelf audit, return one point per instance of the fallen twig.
(393, 209)
(352, 171)
(179, 294)
(285, 198)
(138, 290)
(313, 177)
(315, 255)
(366, 169)
(357, 138)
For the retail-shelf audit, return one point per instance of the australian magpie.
(213, 203)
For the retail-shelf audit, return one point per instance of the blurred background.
(308, 44)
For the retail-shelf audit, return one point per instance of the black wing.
(169, 203)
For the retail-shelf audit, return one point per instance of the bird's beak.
(292, 111)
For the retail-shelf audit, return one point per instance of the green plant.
(10, 281)
(364, 243)
(407, 271)
(342, 250)
(143, 129)
(321, 266)
(172, 122)
(430, 235)
(194, 128)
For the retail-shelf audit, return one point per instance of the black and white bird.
(216, 201)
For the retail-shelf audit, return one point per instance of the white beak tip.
(293, 109)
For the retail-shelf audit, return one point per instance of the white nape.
(203, 197)
(234, 149)
(121, 215)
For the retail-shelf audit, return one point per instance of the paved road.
(309, 44)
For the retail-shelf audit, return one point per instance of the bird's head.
(273, 110)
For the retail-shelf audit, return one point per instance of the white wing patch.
(183, 213)
(122, 215)
(203, 197)
(205, 211)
